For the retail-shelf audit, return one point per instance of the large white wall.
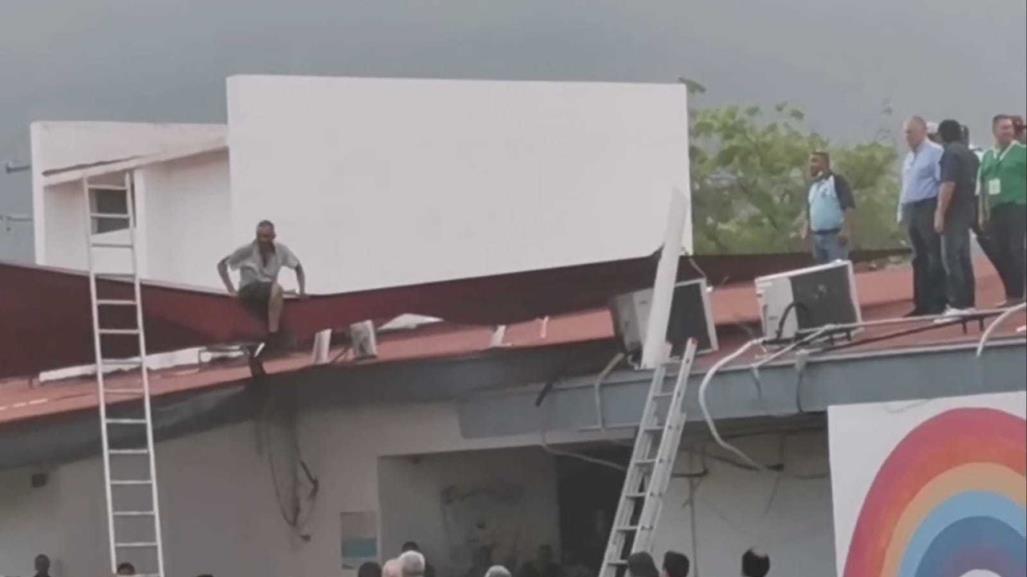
(220, 512)
(380, 182)
(184, 218)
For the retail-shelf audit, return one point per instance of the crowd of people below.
(948, 192)
(412, 563)
(124, 569)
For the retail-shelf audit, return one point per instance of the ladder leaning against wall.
(119, 337)
(651, 466)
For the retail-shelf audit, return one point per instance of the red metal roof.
(883, 294)
(48, 321)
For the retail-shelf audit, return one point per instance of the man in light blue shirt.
(829, 208)
(921, 181)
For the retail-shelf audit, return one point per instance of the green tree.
(749, 181)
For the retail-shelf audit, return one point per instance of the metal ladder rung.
(136, 545)
(129, 451)
(126, 421)
(121, 362)
(134, 513)
(124, 391)
(130, 482)
(115, 276)
(119, 331)
(115, 302)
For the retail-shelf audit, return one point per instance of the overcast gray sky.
(841, 60)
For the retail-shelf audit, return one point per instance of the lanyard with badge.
(995, 184)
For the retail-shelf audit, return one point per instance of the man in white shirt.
(258, 263)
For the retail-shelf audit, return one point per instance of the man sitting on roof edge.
(258, 263)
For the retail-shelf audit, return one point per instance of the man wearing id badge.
(1003, 185)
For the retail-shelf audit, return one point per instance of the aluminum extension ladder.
(126, 420)
(652, 463)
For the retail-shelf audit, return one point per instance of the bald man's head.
(915, 130)
(392, 568)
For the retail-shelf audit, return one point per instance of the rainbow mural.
(950, 499)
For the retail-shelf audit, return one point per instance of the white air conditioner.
(796, 302)
(691, 316)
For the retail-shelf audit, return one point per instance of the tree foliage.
(749, 181)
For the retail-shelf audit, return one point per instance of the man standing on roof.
(921, 181)
(258, 264)
(954, 216)
(828, 225)
(1003, 184)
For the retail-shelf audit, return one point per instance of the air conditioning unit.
(691, 316)
(796, 302)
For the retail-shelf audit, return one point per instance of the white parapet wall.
(385, 182)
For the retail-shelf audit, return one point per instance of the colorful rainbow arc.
(950, 498)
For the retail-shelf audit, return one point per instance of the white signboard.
(385, 182)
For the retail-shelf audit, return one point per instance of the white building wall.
(385, 182)
(58, 145)
(453, 503)
(221, 516)
(788, 514)
(187, 203)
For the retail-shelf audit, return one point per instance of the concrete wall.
(187, 203)
(61, 144)
(454, 503)
(182, 207)
(427, 180)
(221, 513)
(788, 515)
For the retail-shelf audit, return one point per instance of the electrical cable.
(994, 325)
(544, 444)
(616, 360)
(706, 411)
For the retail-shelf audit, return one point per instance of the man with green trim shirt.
(1003, 182)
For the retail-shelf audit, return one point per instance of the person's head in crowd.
(411, 564)
(675, 564)
(950, 131)
(1004, 130)
(642, 565)
(392, 568)
(915, 130)
(497, 571)
(370, 569)
(755, 564)
(410, 546)
(819, 163)
(42, 565)
(126, 569)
